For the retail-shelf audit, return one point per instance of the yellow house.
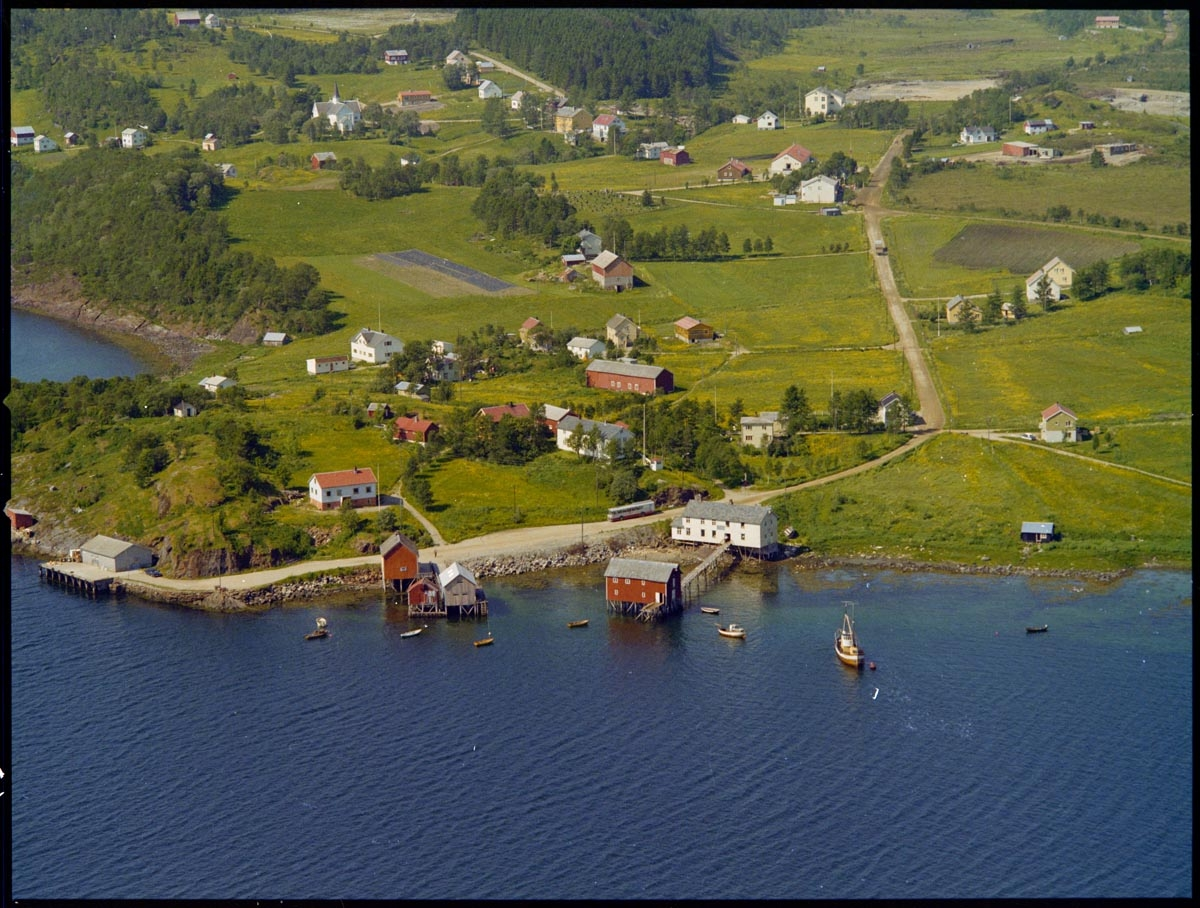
(572, 119)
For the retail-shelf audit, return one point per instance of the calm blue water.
(161, 753)
(42, 348)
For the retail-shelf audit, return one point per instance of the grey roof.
(397, 539)
(453, 572)
(608, 431)
(588, 342)
(110, 547)
(635, 569)
(614, 367)
(1033, 526)
(723, 510)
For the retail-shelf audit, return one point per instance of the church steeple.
(335, 93)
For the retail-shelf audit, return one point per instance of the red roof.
(359, 475)
(530, 322)
(519, 411)
(1057, 408)
(414, 424)
(799, 152)
(604, 120)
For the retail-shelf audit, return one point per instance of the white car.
(1029, 436)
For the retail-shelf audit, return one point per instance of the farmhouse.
(571, 120)
(594, 437)
(413, 429)
(741, 119)
(977, 135)
(514, 102)
(1059, 424)
(631, 584)
(768, 120)
(612, 272)
(374, 346)
(585, 347)
(1035, 531)
(44, 143)
(675, 157)
(527, 329)
(322, 159)
(395, 57)
(189, 18)
(824, 190)
(1034, 283)
(133, 137)
(763, 429)
(215, 383)
(791, 158)
(620, 376)
(323, 365)
(606, 125)
(1038, 127)
(115, 554)
(489, 89)
(457, 58)
(342, 115)
(357, 486)
(621, 330)
(693, 330)
(732, 170)
(823, 102)
(414, 98)
(399, 558)
(275, 339)
(552, 415)
(651, 151)
(747, 527)
(21, 135)
(957, 310)
(590, 244)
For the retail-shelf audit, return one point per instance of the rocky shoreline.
(174, 349)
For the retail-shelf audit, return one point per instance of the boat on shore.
(845, 643)
(732, 630)
(709, 610)
(414, 631)
(320, 633)
(1041, 629)
(582, 622)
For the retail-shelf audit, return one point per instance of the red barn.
(413, 428)
(675, 156)
(613, 375)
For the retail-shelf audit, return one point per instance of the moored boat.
(732, 630)
(1037, 630)
(845, 643)
(709, 610)
(321, 631)
(414, 631)
(486, 641)
(582, 622)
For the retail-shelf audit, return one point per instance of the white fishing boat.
(845, 643)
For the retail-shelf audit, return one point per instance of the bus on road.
(637, 509)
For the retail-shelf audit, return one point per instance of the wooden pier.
(701, 577)
(84, 579)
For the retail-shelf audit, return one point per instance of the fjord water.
(44, 348)
(164, 753)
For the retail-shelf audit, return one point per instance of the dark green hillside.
(141, 231)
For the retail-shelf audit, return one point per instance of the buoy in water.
(871, 666)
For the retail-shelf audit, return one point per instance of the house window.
(627, 581)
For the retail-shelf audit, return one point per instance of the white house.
(212, 20)
(323, 365)
(791, 158)
(823, 102)
(741, 119)
(44, 143)
(977, 135)
(457, 58)
(595, 436)
(515, 101)
(374, 346)
(650, 151)
(621, 330)
(750, 527)
(358, 486)
(889, 408)
(1037, 127)
(342, 115)
(822, 189)
(182, 410)
(1033, 282)
(586, 347)
(768, 120)
(605, 124)
(489, 89)
(215, 383)
(763, 429)
(133, 137)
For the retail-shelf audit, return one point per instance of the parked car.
(154, 572)
(1029, 436)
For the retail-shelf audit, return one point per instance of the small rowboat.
(582, 622)
(1037, 630)
(320, 633)
(414, 631)
(733, 630)
(709, 610)
(486, 641)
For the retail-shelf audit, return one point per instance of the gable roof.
(799, 152)
(637, 569)
(414, 424)
(633, 370)
(618, 321)
(361, 475)
(1055, 409)
(723, 510)
(455, 571)
(606, 259)
(396, 540)
(497, 413)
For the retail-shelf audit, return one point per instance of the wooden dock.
(703, 574)
(82, 578)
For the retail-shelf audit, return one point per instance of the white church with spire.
(344, 116)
